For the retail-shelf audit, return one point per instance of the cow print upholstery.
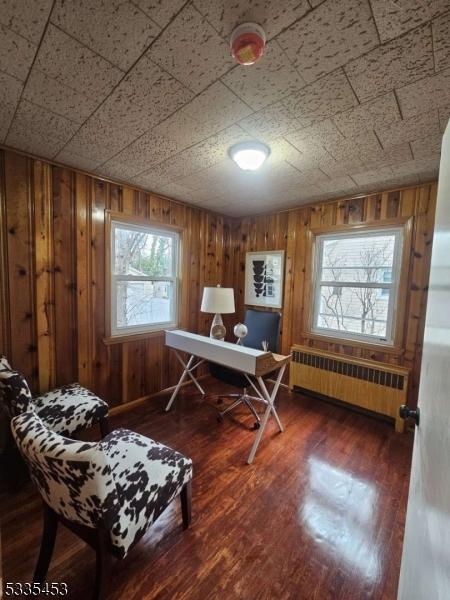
(15, 391)
(70, 408)
(122, 483)
(64, 410)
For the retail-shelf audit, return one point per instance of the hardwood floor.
(320, 513)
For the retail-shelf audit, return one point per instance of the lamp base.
(218, 330)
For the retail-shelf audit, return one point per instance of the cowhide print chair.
(107, 492)
(65, 410)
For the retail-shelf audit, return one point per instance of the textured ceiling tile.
(314, 177)
(358, 120)
(425, 176)
(272, 15)
(119, 112)
(39, 144)
(160, 11)
(409, 129)
(216, 108)
(191, 50)
(421, 165)
(388, 156)
(272, 78)
(151, 180)
(444, 116)
(63, 58)
(430, 92)
(39, 131)
(98, 141)
(305, 161)
(281, 150)
(74, 160)
(16, 53)
(329, 37)
(182, 129)
(270, 122)
(33, 118)
(60, 99)
(324, 98)
(10, 90)
(441, 41)
(25, 17)
(359, 147)
(394, 64)
(373, 176)
(143, 99)
(394, 17)
(427, 146)
(195, 181)
(115, 171)
(334, 168)
(150, 149)
(339, 185)
(147, 85)
(116, 29)
(200, 156)
(321, 134)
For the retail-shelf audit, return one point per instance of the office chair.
(262, 326)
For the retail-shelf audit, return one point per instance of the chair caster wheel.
(219, 419)
(256, 425)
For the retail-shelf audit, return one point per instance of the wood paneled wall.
(52, 274)
(288, 230)
(52, 278)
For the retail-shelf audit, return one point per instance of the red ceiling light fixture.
(247, 43)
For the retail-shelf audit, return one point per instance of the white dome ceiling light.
(249, 156)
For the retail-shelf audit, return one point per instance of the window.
(144, 278)
(356, 284)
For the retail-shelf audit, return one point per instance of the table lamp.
(218, 300)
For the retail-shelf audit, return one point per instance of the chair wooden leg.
(104, 426)
(103, 566)
(47, 544)
(186, 504)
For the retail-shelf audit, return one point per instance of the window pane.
(358, 259)
(354, 310)
(143, 302)
(137, 252)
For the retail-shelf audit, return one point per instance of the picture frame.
(264, 278)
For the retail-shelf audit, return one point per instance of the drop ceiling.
(351, 96)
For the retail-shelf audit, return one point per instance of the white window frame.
(174, 278)
(389, 340)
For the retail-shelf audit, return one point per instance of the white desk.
(250, 362)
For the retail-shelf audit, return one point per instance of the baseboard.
(116, 410)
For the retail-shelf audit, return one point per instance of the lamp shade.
(218, 300)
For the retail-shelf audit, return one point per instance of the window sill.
(384, 348)
(135, 337)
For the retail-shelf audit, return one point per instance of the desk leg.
(270, 398)
(187, 370)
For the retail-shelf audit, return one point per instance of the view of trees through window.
(144, 276)
(355, 279)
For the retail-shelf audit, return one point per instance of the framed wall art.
(264, 278)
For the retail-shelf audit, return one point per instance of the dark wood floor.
(320, 514)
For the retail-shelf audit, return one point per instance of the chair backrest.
(262, 326)
(15, 394)
(73, 477)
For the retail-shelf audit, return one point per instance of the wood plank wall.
(52, 284)
(52, 278)
(288, 230)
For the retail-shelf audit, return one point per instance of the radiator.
(365, 383)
